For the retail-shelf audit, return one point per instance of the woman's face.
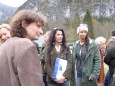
(34, 30)
(101, 45)
(58, 36)
(82, 34)
(4, 34)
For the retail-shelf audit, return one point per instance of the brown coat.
(19, 63)
(110, 42)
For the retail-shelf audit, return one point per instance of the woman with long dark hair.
(57, 48)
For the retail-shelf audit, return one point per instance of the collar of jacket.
(90, 43)
(62, 50)
(89, 47)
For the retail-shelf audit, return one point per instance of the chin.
(34, 39)
(37, 37)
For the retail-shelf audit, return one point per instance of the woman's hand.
(60, 80)
(90, 78)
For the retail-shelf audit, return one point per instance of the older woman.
(101, 44)
(19, 62)
(86, 59)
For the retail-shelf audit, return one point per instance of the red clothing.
(101, 76)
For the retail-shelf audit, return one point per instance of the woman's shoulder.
(92, 41)
(22, 42)
(76, 43)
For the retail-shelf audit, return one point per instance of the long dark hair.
(52, 39)
(87, 42)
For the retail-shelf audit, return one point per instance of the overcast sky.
(13, 3)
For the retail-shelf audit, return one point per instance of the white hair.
(100, 40)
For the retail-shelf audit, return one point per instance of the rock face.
(6, 12)
(59, 9)
(68, 14)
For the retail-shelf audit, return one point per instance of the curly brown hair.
(29, 16)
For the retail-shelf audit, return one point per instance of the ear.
(24, 24)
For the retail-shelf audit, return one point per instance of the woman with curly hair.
(19, 61)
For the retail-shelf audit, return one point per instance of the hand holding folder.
(59, 68)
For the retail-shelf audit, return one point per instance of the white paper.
(59, 68)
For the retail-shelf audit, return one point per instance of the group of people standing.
(21, 65)
(84, 63)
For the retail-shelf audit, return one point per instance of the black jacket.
(110, 60)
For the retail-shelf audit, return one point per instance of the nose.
(3, 38)
(61, 36)
(41, 30)
(84, 33)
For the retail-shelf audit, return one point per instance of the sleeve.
(107, 57)
(29, 68)
(68, 71)
(43, 53)
(37, 47)
(48, 66)
(42, 57)
(97, 62)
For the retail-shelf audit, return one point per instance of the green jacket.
(43, 57)
(91, 66)
(50, 62)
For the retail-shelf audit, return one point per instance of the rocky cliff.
(59, 9)
(6, 12)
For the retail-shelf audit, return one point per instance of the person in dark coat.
(19, 61)
(109, 43)
(110, 61)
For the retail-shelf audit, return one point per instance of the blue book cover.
(59, 68)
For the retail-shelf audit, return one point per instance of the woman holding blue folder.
(57, 48)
